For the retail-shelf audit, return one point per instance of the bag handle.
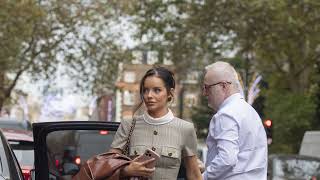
(125, 150)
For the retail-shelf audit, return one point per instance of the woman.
(172, 138)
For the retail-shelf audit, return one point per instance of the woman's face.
(155, 96)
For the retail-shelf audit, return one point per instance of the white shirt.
(237, 143)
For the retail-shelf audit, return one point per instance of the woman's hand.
(136, 168)
(192, 167)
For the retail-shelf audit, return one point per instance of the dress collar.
(158, 121)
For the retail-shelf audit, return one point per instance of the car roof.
(15, 124)
(17, 135)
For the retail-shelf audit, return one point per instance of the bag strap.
(125, 151)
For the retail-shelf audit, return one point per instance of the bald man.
(237, 144)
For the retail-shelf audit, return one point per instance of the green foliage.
(38, 37)
(201, 116)
(292, 114)
(17, 19)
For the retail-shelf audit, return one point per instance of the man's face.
(213, 89)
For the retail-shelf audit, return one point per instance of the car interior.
(68, 150)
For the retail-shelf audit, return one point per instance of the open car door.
(62, 147)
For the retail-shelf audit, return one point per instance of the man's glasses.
(206, 87)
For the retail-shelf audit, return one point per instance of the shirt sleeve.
(121, 136)
(190, 139)
(226, 132)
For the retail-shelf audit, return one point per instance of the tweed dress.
(172, 138)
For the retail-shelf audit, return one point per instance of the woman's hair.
(163, 73)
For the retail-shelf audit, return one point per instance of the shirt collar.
(158, 121)
(230, 99)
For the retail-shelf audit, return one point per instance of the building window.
(129, 77)
(137, 57)
(152, 57)
(166, 59)
(190, 100)
(128, 98)
(192, 77)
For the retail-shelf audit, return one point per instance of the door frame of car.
(12, 161)
(41, 130)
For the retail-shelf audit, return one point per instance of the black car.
(9, 167)
(293, 167)
(62, 147)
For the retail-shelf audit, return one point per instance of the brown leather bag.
(106, 166)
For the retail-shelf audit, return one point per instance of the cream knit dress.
(172, 138)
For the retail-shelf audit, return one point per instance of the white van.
(310, 145)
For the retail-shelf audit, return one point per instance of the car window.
(4, 171)
(9, 167)
(294, 168)
(68, 150)
(24, 152)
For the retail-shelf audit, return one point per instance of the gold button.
(155, 132)
(170, 154)
(153, 148)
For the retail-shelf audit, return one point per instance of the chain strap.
(126, 146)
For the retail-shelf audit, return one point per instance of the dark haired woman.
(172, 138)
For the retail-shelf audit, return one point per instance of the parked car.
(82, 139)
(293, 167)
(310, 145)
(15, 124)
(21, 142)
(9, 166)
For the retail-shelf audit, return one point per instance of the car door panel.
(61, 147)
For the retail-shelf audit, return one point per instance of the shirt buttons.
(155, 132)
(135, 152)
(153, 148)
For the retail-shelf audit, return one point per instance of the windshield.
(296, 168)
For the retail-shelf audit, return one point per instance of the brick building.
(127, 90)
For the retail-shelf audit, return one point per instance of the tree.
(39, 36)
(201, 116)
(278, 39)
(17, 19)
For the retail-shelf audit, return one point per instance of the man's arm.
(226, 132)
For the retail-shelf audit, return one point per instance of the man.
(237, 144)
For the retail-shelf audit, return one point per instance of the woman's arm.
(135, 168)
(193, 171)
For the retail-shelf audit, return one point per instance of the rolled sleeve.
(190, 145)
(226, 133)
